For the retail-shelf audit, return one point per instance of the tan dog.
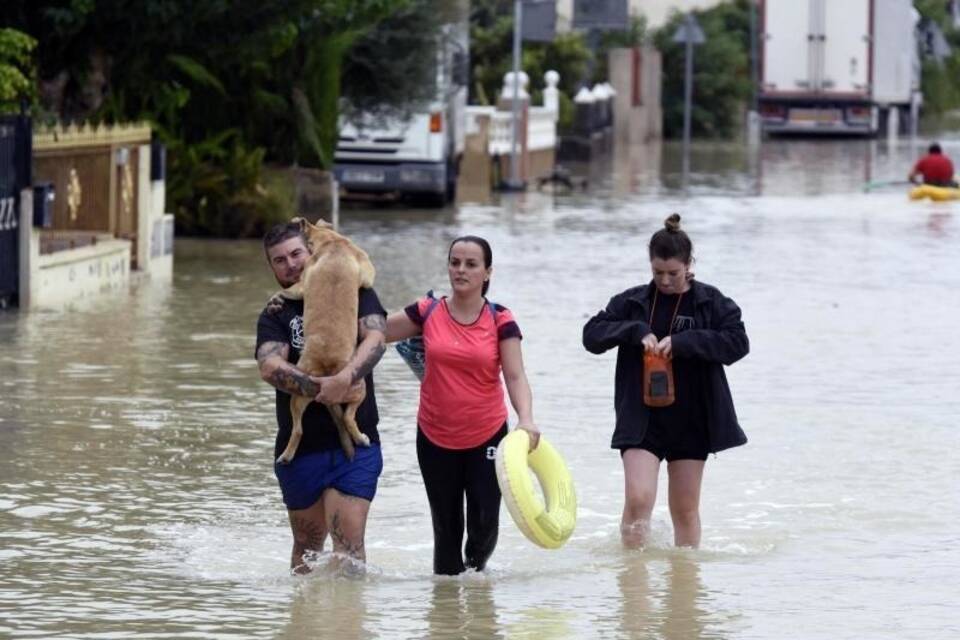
(337, 269)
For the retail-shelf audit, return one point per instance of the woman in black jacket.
(699, 330)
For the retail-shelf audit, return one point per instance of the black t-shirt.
(688, 408)
(319, 430)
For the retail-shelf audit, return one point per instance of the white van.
(420, 156)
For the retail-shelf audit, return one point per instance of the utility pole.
(514, 183)
(753, 117)
(754, 66)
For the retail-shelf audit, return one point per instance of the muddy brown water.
(137, 497)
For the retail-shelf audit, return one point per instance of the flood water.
(137, 497)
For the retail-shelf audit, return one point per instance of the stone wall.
(635, 76)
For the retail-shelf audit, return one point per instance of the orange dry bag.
(657, 369)
(657, 380)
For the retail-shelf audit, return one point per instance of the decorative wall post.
(583, 119)
(600, 104)
(144, 213)
(611, 96)
(29, 250)
(551, 94)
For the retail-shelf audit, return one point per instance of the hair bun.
(672, 223)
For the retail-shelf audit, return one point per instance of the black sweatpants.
(448, 475)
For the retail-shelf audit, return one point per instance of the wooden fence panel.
(81, 178)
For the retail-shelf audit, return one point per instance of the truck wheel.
(905, 124)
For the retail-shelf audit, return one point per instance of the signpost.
(689, 33)
(539, 20)
(608, 15)
(540, 27)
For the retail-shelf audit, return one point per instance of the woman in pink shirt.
(462, 415)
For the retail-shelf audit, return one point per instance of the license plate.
(815, 115)
(368, 176)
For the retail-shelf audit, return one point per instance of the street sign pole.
(690, 34)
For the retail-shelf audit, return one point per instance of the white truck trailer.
(419, 156)
(838, 66)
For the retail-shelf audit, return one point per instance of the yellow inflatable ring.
(547, 525)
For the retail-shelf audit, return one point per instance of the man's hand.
(336, 389)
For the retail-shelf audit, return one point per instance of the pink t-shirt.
(461, 396)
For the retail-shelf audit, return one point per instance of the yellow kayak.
(937, 194)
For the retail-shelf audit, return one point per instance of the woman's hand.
(665, 347)
(649, 343)
(533, 432)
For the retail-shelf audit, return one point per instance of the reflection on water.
(328, 607)
(662, 597)
(462, 609)
(137, 496)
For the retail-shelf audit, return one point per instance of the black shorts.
(669, 455)
(673, 443)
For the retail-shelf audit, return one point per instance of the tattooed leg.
(309, 527)
(347, 523)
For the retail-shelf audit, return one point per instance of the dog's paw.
(275, 304)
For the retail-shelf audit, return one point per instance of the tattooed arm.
(275, 370)
(371, 348)
(372, 331)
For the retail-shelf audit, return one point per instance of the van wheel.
(453, 174)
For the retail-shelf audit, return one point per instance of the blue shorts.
(304, 479)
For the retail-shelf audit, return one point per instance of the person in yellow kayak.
(935, 168)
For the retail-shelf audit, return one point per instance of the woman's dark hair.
(487, 254)
(934, 148)
(671, 242)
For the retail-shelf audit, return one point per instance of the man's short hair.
(281, 233)
(934, 148)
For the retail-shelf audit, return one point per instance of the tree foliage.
(491, 53)
(721, 78)
(936, 10)
(392, 69)
(939, 79)
(226, 84)
(16, 69)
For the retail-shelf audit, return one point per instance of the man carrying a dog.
(324, 492)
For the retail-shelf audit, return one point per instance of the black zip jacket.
(718, 337)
